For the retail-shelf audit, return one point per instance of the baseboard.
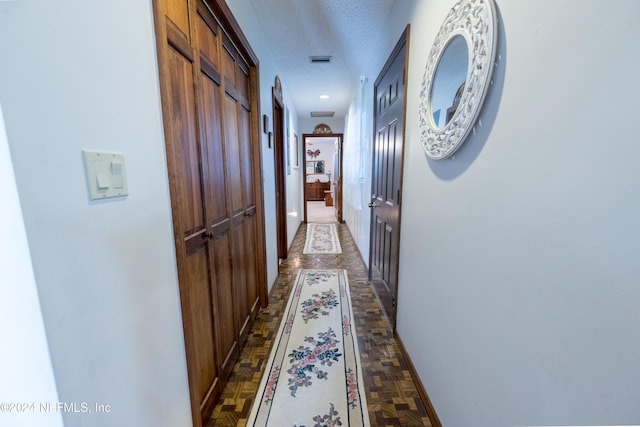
(435, 421)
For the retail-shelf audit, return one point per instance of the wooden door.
(337, 180)
(386, 186)
(210, 116)
(280, 176)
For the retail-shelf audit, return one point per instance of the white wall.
(295, 190)
(25, 363)
(518, 293)
(77, 75)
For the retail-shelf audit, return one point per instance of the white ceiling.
(345, 29)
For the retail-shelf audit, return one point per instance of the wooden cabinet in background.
(315, 190)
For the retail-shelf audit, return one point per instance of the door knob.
(373, 205)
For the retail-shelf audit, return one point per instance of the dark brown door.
(206, 87)
(280, 177)
(386, 186)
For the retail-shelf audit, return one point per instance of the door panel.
(249, 196)
(239, 250)
(251, 265)
(199, 302)
(184, 149)
(207, 37)
(386, 183)
(217, 207)
(177, 11)
(247, 161)
(234, 167)
(227, 339)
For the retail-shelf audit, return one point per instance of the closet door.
(249, 194)
(203, 263)
(218, 210)
(240, 186)
(208, 96)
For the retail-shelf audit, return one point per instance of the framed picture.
(287, 139)
(296, 152)
(315, 167)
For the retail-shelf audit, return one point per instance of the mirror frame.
(476, 22)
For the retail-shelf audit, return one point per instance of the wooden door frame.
(280, 174)
(337, 200)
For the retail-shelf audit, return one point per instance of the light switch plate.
(106, 174)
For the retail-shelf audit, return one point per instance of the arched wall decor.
(322, 128)
(474, 22)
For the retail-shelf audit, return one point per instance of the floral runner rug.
(313, 376)
(322, 239)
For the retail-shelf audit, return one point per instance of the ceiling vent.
(320, 59)
(323, 113)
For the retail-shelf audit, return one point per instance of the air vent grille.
(320, 59)
(323, 113)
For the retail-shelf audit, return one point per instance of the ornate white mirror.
(457, 76)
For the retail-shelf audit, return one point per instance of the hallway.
(392, 397)
(318, 212)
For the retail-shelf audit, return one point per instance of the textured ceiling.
(344, 29)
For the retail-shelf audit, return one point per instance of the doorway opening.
(322, 177)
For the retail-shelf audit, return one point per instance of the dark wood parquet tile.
(392, 397)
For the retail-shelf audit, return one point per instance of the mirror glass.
(449, 80)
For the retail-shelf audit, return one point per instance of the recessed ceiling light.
(324, 96)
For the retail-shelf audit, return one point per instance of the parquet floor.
(392, 398)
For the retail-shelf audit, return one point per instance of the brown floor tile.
(392, 398)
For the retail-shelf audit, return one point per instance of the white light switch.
(116, 174)
(106, 175)
(103, 181)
